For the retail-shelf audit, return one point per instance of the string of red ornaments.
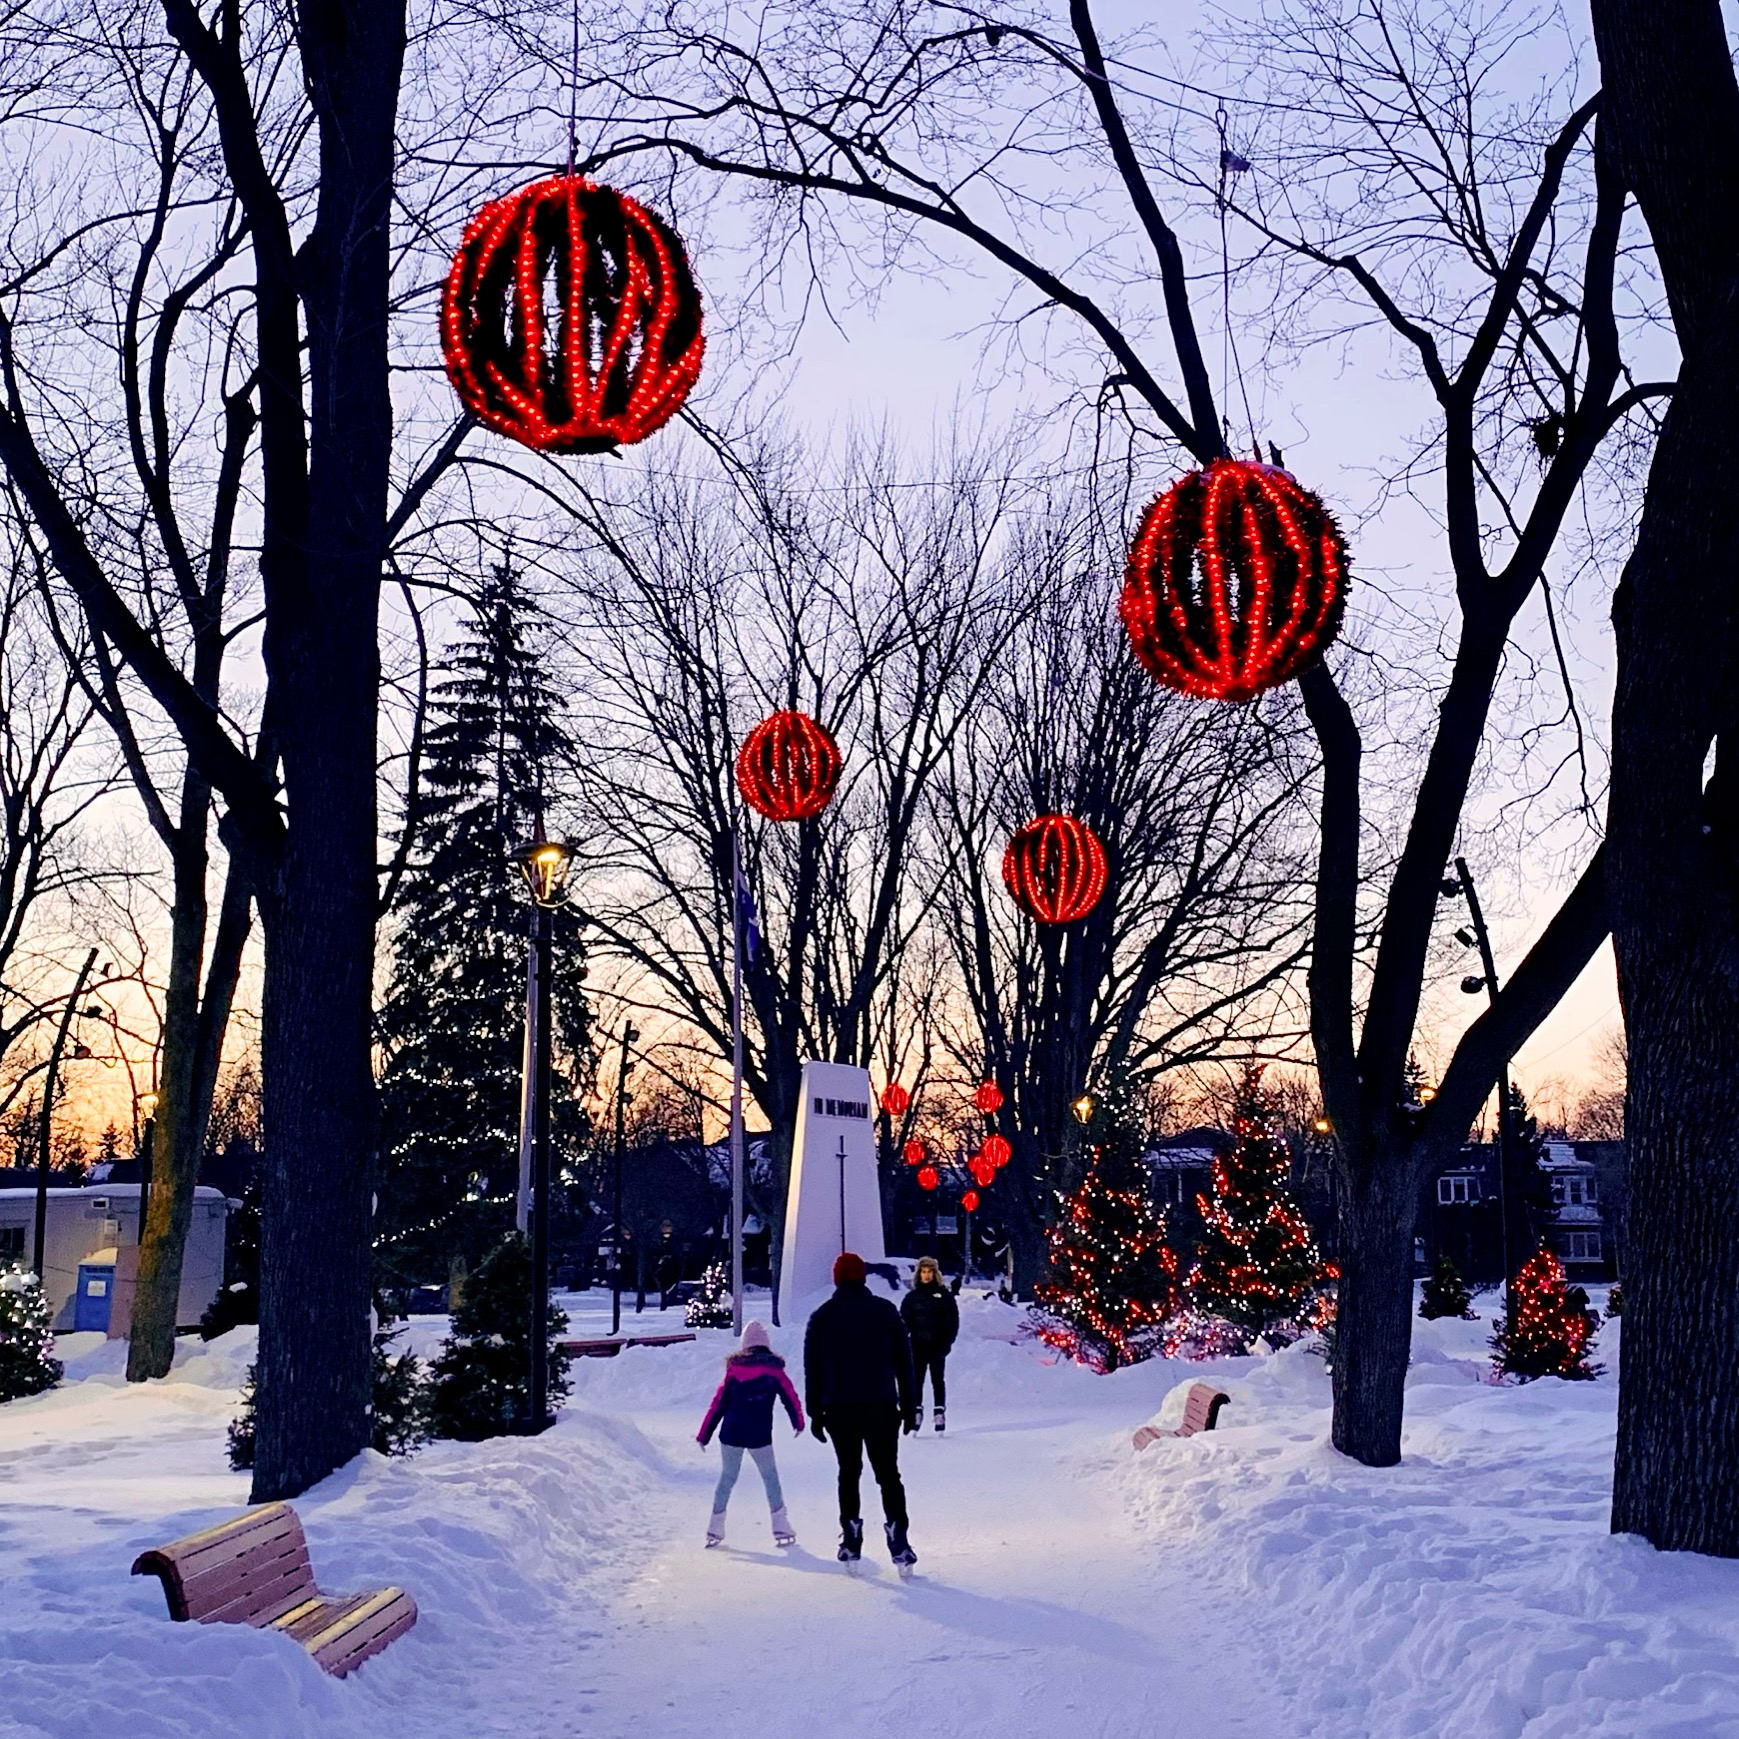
(570, 319)
(1055, 869)
(895, 1099)
(788, 767)
(987, 1098)
(1236, 582)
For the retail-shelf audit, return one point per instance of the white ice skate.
(715, 1530)
(783, 1533)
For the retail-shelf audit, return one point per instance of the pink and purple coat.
(742, 1410)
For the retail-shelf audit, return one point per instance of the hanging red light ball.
(983, 1171)
(788, 767)
(1055, 868)
(914, 1152)
(1237, 582)
(997, 1150)
(895, 1099)
(969, 1201)
(988, 1098)
(570, 319)
(928, 1177)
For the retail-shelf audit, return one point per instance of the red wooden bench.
(1201, 1412)
(610, 1346)
(254, 1569)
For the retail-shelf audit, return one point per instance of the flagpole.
(736, 1089)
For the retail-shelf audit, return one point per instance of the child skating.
(742, 1414)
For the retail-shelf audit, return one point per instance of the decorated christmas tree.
(1257, 1269)
(1551, 1327)
(711, 1307)
(1112, 1281)
(27, 1361)
(481, 1378)
(1445, 1293)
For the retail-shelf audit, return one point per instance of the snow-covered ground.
(1249, 1582)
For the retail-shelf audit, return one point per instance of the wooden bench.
(608, 1347)
(1201, 1412)
(254, 1569)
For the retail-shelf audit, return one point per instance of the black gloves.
(816, 1429)
(911, 1423)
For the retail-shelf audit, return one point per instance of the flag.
(747, 923)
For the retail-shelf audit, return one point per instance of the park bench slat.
(1201, 1412)
(254, 1569)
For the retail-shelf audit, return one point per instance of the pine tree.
(452, 1022)
(27, 1361)
(1257, 1267)
(1552, 1329)
(1112, 1281)
(480, 1381)
(712, 1306)
(1445, 1293)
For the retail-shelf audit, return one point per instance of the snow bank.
(1474, 1590)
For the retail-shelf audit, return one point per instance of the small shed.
(92, 1232)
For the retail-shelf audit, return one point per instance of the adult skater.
(857, 1381)
(932, 1319)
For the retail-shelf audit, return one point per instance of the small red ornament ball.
(788, 767)
(969, 1201)
(1237, 582)
(997, 1150)
(988, 1098)
(928, 1177)
(570, 320)
(983, 1170)
(914, 1152)
(1055, 868)
(895, 1099)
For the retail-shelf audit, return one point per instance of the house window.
(11, 1242)
(1573, 1189)
(1593, 1191)
(1557, 1192)
(1582, 1247)
(1457, 1191)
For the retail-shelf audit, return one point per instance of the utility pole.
(629, 1035)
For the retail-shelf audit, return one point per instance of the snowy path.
(1035, 1608)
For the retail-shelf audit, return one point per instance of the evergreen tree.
(712, 1306)
(1257, 1267)
(452, 1022)
(480, 1381)
(1112, 1280)
(27, 1361)
(1445, 1293)
(1552, 1329)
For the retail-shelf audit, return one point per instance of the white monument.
(834, 1202)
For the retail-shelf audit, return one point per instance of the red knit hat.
(849, 1268)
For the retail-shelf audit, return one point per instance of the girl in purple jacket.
(742, 1414)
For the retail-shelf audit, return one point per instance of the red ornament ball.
(983, 1170)
(895, 1099)
(988, 1098)
(914, 1152)
(570, 320)
(1237, 582)
(928, 1177)
(1055, 868)
(969, 1201)
(788, 767)
(997, 1150)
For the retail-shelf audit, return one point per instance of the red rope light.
(983, 1170)
(928, 1177)
(969, 1201)
(625, 321)
(914, 1152)
(895, 1099)
(997, 1150)
(1237, 582)
(1055, 868)
(988, 1098)
(788, 767)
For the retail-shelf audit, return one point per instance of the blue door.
(96, 1286)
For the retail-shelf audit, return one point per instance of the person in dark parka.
(932, 1319)
(857, 1382)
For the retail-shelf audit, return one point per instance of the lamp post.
(544, 863)
(629, 1035)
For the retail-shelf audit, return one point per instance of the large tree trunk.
(1374, 1314)
(1673, 106)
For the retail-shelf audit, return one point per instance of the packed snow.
(1247, 1582)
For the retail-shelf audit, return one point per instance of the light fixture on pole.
(544, 863)
(1082, 1108)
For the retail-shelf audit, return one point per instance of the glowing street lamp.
(1082, 1108)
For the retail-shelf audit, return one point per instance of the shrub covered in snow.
(1445, 1294)
(27, 1361)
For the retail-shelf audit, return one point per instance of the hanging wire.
(1231, 164)
(574, 92)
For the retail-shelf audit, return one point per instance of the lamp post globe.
(545, 863)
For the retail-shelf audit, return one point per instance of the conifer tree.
(1112, 1280)
(712, 1306)
(1552, 1326)
(27, 1361)
(452, 1022)
(1445, 1293)
(1257, 1267)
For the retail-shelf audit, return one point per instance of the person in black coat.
(932, 1319)
(857, 1383)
